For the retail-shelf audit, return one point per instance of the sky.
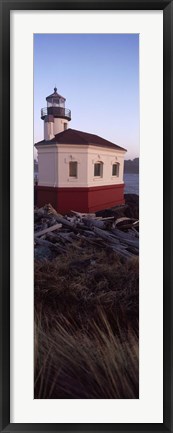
(98, 74)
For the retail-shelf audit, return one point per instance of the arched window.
(115, 169)
(98, 169)
(73, 169)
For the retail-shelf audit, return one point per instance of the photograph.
(86, 216)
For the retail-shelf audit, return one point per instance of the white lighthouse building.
(77, 170)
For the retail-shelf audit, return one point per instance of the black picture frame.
(5, 8)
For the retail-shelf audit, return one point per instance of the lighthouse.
(77, 170)
(55, 115)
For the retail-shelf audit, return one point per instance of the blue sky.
(98, 74)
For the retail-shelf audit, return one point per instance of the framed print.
(86, 341)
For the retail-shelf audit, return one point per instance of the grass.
(86, 326)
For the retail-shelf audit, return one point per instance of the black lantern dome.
(56, 107)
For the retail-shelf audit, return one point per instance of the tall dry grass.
(86, 327)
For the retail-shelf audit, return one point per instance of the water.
(131, 183)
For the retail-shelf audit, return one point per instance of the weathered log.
(105, 235)
(125, 239)
(65, 237)
(116, 246)
(124, 223)
(65, 222)
(124, 253)
(94, 223)
(50, 245)
(124, 235)
(89, 233)
(111, 218)
(94, 241)
(81, 226)
(47, 230)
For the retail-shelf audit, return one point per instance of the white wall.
(47, 163)
(48, 130)
(66, 154)
(108, 157)
(54, 165)
(53, 128)
(58, 125)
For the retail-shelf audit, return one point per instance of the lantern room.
(55, 100)
(55, 116)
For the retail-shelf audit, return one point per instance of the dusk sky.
(98, 74)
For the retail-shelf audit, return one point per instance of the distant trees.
(35, 165)
(131, 165)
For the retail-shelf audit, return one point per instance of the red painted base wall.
(80, 199)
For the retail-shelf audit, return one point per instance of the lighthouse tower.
(55, 115)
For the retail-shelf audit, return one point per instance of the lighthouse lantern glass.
(56, 101)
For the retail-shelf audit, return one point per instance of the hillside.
(131, 165)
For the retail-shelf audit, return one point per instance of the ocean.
(131, 181)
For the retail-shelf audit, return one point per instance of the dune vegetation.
(86, 325)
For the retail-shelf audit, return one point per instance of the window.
(98, 169)
(115, 170)
(65, 126)
(73, 168)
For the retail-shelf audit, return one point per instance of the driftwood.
(105, 235)
(65, 222)
(50, 245)
(62, 242)
(60, 233)
(122, 252)
(117, 246)
(82, 215)
(126, 239)
(94, 223)
(49, 229)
